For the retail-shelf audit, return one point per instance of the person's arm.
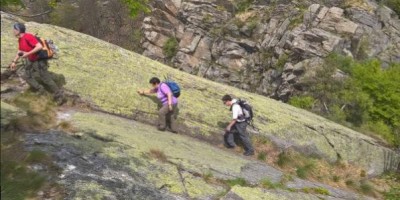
(229, 127)
(15, 60)
(144, 92)
(169, 95)
(37, 48)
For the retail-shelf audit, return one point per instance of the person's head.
(19, 28)
(154, 82)
(227, 100)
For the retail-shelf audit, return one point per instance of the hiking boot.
(229, 146)
(248, 153)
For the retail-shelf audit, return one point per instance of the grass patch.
(18, 182)
(366, 188)
(41, 112)
(36, 156)
(170, 47)
(392, 194)
(262, 156)
(335, 178)
(283, 59)
(67, 126)
(322, 191)
(305, 170)
(237, 181)
(283, 159)
(268, 184)
(158, 154)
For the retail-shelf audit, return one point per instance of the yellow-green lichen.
(90, 191)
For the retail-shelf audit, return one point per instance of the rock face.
(249, 49)
(115, 158)
(109, 76)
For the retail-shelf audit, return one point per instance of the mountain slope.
(108, 76)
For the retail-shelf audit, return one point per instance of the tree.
(137, 6)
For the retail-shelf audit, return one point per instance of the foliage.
(392, 194)
(393, 4)
(283, 159)
(262, 156)
(170, 47)
(266, 183)
(305, 170)
(17, 181)
(5, 3)
(137, 6)
(366, 98)
(237, 181)
(243, 5)
(322, 191)
(305, 102)
(366, 188)
(282, 61)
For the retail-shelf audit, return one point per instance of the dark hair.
(226, 97)
(154, 80)
(20, 27)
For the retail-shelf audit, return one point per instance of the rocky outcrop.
(115, 158)
(108, 77)
(249, 49)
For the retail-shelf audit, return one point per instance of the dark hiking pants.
(36, 73)
(164, 116)
(239, 130)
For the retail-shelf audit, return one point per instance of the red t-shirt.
(26, 43)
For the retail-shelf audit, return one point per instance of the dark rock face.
(254, 50)
(93, 173)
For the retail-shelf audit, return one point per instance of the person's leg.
(162, 120)
(31, 69)
(46, 77)
(173, 115)
(229, 138)
(244, 136)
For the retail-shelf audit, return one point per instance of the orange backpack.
(48, 51)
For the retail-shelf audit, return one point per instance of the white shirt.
(237, 111)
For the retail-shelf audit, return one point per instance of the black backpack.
(247, 110)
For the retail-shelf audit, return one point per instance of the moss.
(90, 189)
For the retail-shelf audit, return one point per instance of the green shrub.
(322, 191)
(304, 171)
(36, 156)
(393, 4)
(366, 99)
(243, 5)
(304, 102)
(266, 183)
(366, 188)
(262, 156)
(283, 159)
(137, 6)
(237, 181)
(17, 182)
(282, 61)
(393, 193)
(170, 47)
(336, 178)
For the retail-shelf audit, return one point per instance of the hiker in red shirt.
(35, 68)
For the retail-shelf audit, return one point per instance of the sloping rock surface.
(109, 76)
